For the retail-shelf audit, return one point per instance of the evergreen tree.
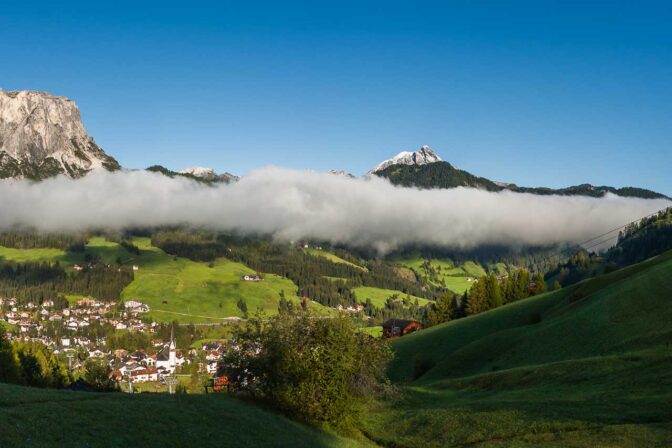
(440, 311)
(541, 283)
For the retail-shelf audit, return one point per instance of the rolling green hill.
(379, 296)
(201, 292)
(47, 418)
(588, 365)
(193, 291)
(445, 272)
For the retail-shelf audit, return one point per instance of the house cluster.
(31, 319)
(141, 367)
(136, 307)
(351, 308)
(93, 265)
(213, 352)
(64, 332)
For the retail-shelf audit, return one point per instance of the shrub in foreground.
(317, 369)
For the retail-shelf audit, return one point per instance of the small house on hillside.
(252, 278)
(532, 287)
(399, 327)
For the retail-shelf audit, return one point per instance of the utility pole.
(70, 356)
(170, 382)
(130, 384)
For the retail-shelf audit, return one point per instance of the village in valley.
(74, 333)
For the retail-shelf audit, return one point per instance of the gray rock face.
(42, 136)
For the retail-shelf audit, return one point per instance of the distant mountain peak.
(198, 171)
(341, 173)
(423, 156)
(199, 174)
(42, 135)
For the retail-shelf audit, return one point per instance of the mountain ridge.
(441, 174)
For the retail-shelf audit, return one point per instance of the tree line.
(26, 239)
(36, 282)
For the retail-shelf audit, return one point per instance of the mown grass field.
(589, 365)
(457, 278)
(196, 292)
(331, 257)
(379, 296)
(106, 251)
(51, 418)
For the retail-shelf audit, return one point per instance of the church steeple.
(172, 356)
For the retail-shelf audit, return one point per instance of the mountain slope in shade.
(42, 135)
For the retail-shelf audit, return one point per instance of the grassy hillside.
(331, 257)
(379, 296)
(588, 365)
(105, 251)
(444, 272)
(194, 292)
(47, 418)
(199, 292)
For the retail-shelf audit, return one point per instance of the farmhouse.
(144, 375)
(532, 287)
(399, 327)
(252, 278)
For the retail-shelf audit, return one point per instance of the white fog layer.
(293, 205)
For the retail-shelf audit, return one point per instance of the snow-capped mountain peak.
(208, 174)
(423, 156)
(198, 171)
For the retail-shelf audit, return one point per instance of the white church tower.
(167, 358)
(172, 356)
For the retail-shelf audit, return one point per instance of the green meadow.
(175, 287)
(178, 288)
(103, 250)
(457, 278)
(331, 257)
(379, 296)
(588, 365)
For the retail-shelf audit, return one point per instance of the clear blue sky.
(537, 93)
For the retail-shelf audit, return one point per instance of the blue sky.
(537, 93)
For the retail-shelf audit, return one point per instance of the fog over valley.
(293, 205)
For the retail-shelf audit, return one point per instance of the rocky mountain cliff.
(42, 135)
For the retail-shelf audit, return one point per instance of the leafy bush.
(320, 370)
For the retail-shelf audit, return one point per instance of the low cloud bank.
(293, 205)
